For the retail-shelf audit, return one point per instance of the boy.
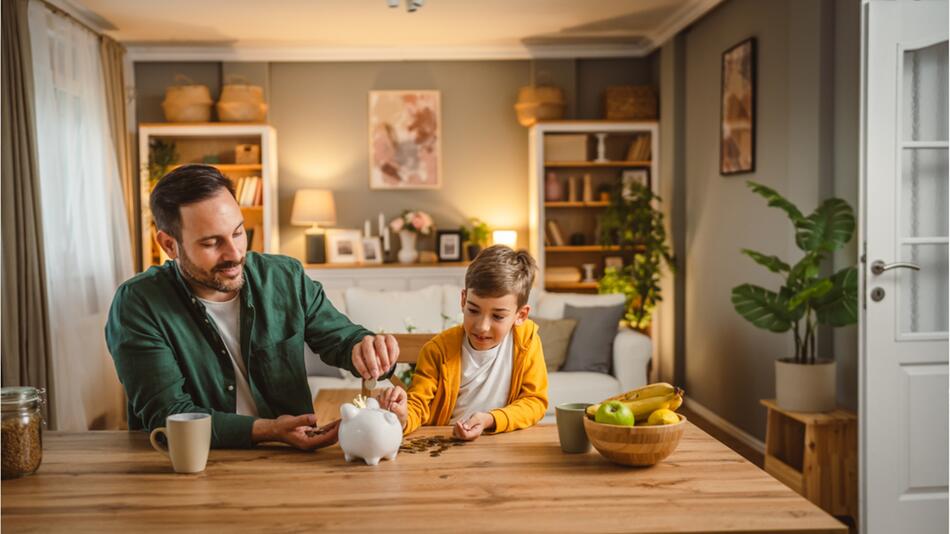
(487, 374)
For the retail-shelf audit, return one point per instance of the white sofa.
(437, 307)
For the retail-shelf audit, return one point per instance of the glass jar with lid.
(21, 430)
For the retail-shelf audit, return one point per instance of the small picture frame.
(633, 176)
(737, 115)
(449, 245)
(372, 250)
(613, 261)
(344, 246)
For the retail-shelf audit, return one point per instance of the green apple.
(614, 413)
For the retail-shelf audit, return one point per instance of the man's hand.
(394, 399)
(293, 430)
(473, 427)
(375, 355)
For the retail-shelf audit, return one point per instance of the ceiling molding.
(686, 15)
(91, 20)
(166, 52)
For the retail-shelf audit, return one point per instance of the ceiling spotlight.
(393, 3)
(411, 5)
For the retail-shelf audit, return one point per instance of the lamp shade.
(505, 237)
(313, 206)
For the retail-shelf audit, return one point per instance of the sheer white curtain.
(84, 226)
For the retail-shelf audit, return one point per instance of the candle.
(386, 239)
(366, 229)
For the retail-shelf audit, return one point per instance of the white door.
(904, 385)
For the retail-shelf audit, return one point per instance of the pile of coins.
(435, 445)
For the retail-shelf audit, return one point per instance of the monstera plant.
(806, 298)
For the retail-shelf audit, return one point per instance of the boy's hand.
(394, 399)
(473, 427)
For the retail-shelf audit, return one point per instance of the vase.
(553, 190)
(407, 247)
(805, 387)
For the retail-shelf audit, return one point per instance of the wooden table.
(520, 481)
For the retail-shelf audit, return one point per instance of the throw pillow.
(592, 346)
(555, 337)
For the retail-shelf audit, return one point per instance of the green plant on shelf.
(633, 223)
(161, 155)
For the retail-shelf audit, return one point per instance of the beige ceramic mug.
(189, 440)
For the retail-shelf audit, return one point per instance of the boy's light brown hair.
(498, 271)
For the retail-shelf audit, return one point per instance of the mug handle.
(153, 437)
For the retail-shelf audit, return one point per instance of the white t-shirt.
(227, 317)
(486, 378)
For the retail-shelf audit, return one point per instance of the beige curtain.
(112, 56)
(25, 338)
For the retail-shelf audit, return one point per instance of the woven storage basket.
(631, 102)
(539, 103)
(242, 103)
(187, 102)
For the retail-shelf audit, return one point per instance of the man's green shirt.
(171, 359)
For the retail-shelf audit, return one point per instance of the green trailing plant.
(633, 222)
(806, 299)
(161, 155)
(477, 234)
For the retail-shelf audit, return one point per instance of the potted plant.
(476, 237)
(409, 225)
(805, 300)
(636, 226)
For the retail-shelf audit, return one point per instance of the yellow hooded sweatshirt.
(435, 385)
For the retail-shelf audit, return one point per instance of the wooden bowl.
(635, 445)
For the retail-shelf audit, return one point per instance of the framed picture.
(633, 176)
(344, 246)
(613, 261)
(737, 109)
(449, 245)
(405, 140)
(372, 250)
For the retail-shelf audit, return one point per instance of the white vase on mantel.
(407, 247)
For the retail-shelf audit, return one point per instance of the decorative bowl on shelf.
(641, 445)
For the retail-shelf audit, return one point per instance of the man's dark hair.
(185, 185)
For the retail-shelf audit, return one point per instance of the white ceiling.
(368, 29)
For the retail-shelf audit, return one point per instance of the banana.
(644, 406)
(650, 390)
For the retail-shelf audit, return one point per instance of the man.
(221, 330)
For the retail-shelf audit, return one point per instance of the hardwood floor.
(744, 450)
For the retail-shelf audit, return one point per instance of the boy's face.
(488, 320)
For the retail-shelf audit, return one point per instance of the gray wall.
(320, 113)
(806, 148)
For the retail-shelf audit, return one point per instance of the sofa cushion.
(566, 387)
(395, 311)
(592, 345)
(551, 305)
(555, 338)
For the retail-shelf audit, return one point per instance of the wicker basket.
(539, 103)
(242, 103)
(636, 102)
(187, 102)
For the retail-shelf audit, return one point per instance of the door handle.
(879, 267)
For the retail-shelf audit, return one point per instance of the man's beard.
(211, 279)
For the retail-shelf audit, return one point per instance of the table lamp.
(314, 207)
(505, 237)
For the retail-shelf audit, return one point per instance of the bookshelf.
(214, 144)
(566, 149)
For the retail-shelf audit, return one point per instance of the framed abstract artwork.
(737, 111)
(405, 140)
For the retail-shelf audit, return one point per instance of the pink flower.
(418, 221)
(397, 224)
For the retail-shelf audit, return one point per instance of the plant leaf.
(814, 290)
(776, 200)
(772, 263)
(839, 306)
(763, 308)
(827, 229)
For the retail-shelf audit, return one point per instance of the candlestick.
(366, 230)
(386, 239)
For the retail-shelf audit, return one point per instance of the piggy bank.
(369, 433)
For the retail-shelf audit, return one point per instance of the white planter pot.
(407, 247)
(805, 387)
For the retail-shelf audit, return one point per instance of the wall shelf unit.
(628, 146)
(195, 143)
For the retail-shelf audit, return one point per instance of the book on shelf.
(639, 149)
(249, 191)
(554, 233)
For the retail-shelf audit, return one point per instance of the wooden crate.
(815, 454)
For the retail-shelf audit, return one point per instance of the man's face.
(488, 320)
(213, 244)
